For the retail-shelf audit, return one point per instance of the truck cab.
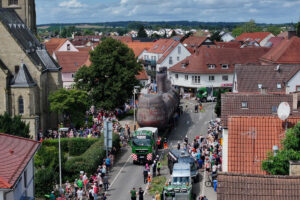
(181, 156)
(180, 187)
(143, 144)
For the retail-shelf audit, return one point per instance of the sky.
(90, 11)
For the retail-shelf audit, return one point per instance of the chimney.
(295, 101)
(291, 33)
(263, 90)
(294, 168)
(287, 89)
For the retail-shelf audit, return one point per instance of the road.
(125, 175)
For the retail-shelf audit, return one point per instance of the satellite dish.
(283, 110)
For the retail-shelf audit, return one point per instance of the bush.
(54, 142)
(44, 180)
(78, 146)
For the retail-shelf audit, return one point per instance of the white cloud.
(290, 4)
(71, 4)
(253, 10)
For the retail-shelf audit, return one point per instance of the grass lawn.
(157, 184)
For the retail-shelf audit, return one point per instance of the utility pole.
(59, 158)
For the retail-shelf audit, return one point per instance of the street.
(125, 175)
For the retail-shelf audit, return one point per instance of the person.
(79, 183)
(91, 196)
(79, 194)
(107, 160)
(145, 173)
(196, 108)
(141, 194)
(178, 145)
(52, 196)
(105, 182)
(154, 168)
(215, 182)
(133, 194)
(158, 167)
(186, 139)
(157, 196)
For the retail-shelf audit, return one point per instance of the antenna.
(283, 110)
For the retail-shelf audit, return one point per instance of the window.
(68, 47)
(211, 66)
(176, 75)
(211, 78)
(21, 105)
(170, 60)
(225, 78)
(274, 109)
(145, 57)
(278, 86)
(196, 79)
(177, 58)
(244, 104)
(259, 86)
(17, 67)
(25, 178)
(72, 75)
(13, 2)
(298, 88)
(186, 77)
(179, 49)
(225, 66)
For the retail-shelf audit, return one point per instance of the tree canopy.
(72, 103)
(216, 36)
(298, 29)
(279, 164)
(110, 79)
(142, 33)
(14, 126)
(248, 27)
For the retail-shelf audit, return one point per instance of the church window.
(21, 105)
(17, 67)
(13, 2)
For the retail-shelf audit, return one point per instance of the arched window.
(21, 105)
(12, 2)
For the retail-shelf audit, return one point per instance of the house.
(212, 67)
(270, 78)
(237, 186)
(195, 42)
(286, 52)
(17, 167)
(59, 44)
(260, 37)
(232, 44)
(226, 36)
(248, 141)
(274, 41)
(165, 53)
(27, 73)
(70, 62)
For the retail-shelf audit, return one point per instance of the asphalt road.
(125, 175)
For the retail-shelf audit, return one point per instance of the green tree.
(110, 79)
(248, 27)
(142, 33)
(173, 33)
(237, 31)
(279, 164)
(218, 104)
(216, 36)
(13, 126)
(298, 29)
(274, 29)
(72, 103)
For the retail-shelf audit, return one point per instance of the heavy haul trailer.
(144, 145)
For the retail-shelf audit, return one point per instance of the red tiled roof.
(171, 48)
(142, 75)
(84, 49)
(275, 41)
(15, 153)
(248, 77)
(194, 41)
(139, 47)
(232, 44)
(72, 61)
(257, 187)
(79, 42)
(287, 52)
(87, 37)
(54, 44)
(249, 140)
(161, 46)
(258, 105)
(257, 36)
(198, 62)
(124, 39)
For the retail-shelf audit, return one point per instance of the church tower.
(25, 9)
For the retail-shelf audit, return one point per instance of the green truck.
(144, 145)
(206, 94)
(180, 187)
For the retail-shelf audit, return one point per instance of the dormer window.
(211, 66)
(278, 86)
(68, 47)
(13, 2)
(259, 86)
(244, 104)
(225, 66)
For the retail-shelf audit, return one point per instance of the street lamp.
(134, 92)
(59, 158)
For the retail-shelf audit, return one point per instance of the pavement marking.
(119, 172)
(203, 183)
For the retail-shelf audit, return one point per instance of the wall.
(174, 54)
(225, 151)
(295, 81)
(204, 80)
(1, 195)
(264, 41)
(3, 101)
(227, 37)
(67, 77)
(64, 47)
